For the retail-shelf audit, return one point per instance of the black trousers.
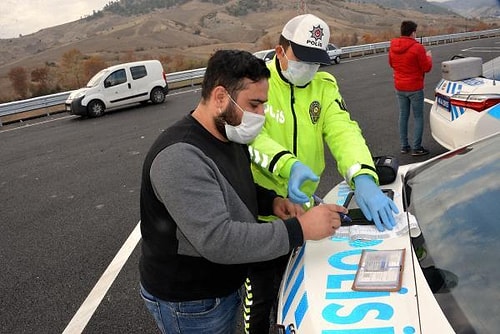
(261, 294)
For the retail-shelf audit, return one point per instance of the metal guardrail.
(356, 50)
(192, 77)
(189, 76)
(33, 103)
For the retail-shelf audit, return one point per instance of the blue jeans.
(210, 316)
(415, 100)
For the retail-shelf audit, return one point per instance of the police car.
(448, 227)
(467, 102)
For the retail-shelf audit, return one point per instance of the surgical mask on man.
(250, 126)
(298, 72)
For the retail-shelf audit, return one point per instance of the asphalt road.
(69, 198)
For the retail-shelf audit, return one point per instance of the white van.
(118, 86)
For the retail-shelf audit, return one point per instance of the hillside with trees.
(183, 33)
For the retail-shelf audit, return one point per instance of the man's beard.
(227, 116)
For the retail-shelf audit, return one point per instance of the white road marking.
(38, 123)
(483, 49)
(89, 306)
(428, 101)
(191, 90)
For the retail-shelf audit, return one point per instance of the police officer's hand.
(285, 209)
(298, 175)
(376, 206)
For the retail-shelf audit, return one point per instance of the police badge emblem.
(317, 34)
(314, 111)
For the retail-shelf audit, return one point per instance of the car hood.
(316, 294)
(78, 93)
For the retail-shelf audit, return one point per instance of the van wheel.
(337, 60)
(157, 95)
(95, 108)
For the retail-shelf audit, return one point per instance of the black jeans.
(262, 287)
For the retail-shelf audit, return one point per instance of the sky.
(28, 16)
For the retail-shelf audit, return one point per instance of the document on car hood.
(404, 222)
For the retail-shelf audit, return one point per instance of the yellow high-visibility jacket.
(299, 120)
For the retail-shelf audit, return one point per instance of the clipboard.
(380, 270)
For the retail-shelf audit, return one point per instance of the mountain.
(418, 5)
(188, 31)
(476, 8)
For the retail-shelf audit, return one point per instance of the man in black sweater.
(199, 205)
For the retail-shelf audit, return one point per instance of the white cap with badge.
(309, 36)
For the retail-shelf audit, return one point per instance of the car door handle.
(129, 86)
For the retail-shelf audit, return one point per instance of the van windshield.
(94, 81)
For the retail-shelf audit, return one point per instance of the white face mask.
(299, 73)
(248, 129)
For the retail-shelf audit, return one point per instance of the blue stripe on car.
(456, 112)
(495, 111)
(293, 292)
(295, 265)
(301, 310)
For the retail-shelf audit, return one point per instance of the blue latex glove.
(374, 204)
(298, 175)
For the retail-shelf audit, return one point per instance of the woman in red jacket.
(410, 62)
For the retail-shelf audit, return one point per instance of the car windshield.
(97, 78)
(491, 69)
(456, 201)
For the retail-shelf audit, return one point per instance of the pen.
(345, 219)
